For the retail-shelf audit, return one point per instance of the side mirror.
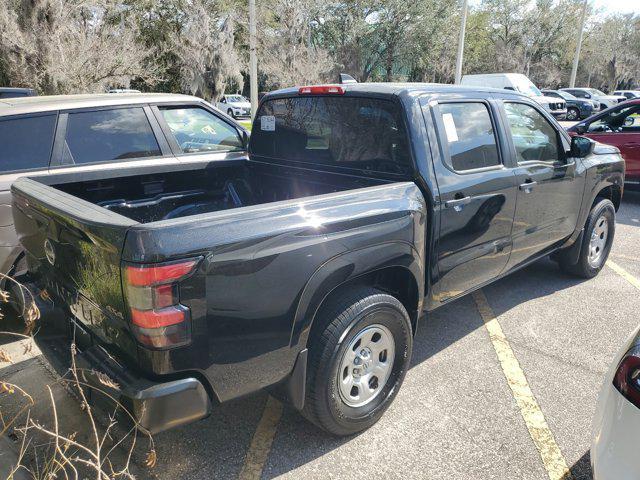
(582, 129)
(510, 88)
(581, 147)
(586, 95)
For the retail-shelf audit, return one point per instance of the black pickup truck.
(303, 267)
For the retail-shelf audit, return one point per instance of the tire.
(573, 113)
(373, 318)
(230, 113)
(596, 241)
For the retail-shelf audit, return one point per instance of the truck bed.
(152, 197)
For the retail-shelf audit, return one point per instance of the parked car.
(628, 94)
(577, 108)
(123, 90)
(618, 126)
(235, 106)
(605, 100)
(305, 266)
(11, 92)
(616, 425)
(519, 83)
(95, 132)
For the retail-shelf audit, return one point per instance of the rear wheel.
(596, 241)
(573, 113)
(358, 357)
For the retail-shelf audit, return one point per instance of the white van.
(520, 83)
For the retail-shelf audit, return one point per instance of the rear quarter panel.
(266, 268)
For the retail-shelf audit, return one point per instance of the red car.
(618, 126)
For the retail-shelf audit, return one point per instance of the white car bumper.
(615, 449)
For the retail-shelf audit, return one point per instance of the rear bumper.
(155, 406)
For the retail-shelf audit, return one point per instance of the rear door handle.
(458, 203)
(526, 187)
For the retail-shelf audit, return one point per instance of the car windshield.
(236, 98)
(626, 119)
(567, 95)
(595, 91)
(525, 86)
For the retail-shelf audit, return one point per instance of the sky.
(617, 6)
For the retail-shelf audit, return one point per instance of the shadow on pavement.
(581, 470)
(629, 213)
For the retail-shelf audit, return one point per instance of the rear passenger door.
(477, 196)
(109, 137)
(549, 190)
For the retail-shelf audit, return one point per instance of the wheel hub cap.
(366, 365)
(598, 241)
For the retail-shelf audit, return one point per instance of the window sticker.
(268, 123)
(450, 127)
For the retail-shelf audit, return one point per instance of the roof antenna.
(346, 78)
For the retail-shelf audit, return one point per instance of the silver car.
(84, 133)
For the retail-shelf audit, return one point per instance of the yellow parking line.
(541, 434)
(625, 257)
(261, 441)
(623, 273)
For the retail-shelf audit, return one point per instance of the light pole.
(463, 27)
(576, 59)
(253, 61)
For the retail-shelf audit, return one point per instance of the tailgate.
(73, 250)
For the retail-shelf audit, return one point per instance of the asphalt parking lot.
(469, 401)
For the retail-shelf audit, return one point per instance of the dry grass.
(49, 450)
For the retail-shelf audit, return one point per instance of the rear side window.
(13, 94)
(25, 143)
(346, 132)
(470, 136)
(197, 130)
(107, 135)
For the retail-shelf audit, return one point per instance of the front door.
(549, 190)
(621, 127)
(477, 197)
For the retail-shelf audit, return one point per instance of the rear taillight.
(627, 379)
(321, 90)
(158, 319)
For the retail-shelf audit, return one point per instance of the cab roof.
(402, 89)
(21, 105)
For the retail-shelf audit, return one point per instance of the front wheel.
(358, 357)
(573, 113)
(596, 241)
(230, 113)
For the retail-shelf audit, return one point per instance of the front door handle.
(526, 187)
(458, 203)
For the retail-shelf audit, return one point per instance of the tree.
(70, 46)
(288, 54)
(205, 47)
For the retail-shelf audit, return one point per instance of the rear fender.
(346, 268)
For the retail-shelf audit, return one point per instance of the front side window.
(470, 136)
(344, 132)
(25, 142)
(108, 135)
(197, 130)
(534, 138)
(623, 120)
